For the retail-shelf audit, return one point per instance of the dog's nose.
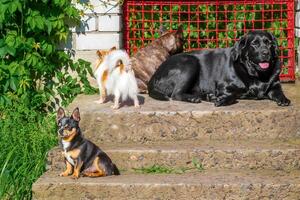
(265, 52)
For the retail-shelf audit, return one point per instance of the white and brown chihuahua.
(115, 76)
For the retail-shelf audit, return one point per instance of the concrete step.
(224, 184)
(173, 121)
(211, 154)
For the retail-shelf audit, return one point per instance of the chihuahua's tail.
(115, 170)
(119, 58)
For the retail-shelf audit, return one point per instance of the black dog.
(248, 70)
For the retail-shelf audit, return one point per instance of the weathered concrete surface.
(206, 185)
(216, 154)
(173, 121)
(227, 141)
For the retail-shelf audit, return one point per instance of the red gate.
(212, 23)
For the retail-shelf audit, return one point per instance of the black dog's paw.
(283, 101)
(224, 100)
(220, 102)
(194, 100)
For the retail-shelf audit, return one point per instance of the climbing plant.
(35, 67)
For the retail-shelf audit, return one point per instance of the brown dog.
(148, 59)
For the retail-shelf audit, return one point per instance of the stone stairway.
(250, 150)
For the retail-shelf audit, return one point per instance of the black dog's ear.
(60, 114)
(275, 49)
(238, 47)
(238, 54)
(76, 115)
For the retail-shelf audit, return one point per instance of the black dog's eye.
(255, 42)
(266, 41)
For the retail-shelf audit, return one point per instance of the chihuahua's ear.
(113, 48)
(60, 114)
(99, 53)
(76, 114)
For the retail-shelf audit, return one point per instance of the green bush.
(34, 71)
(36, 74)
(25, 138)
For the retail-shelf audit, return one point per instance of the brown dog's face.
(259, 50)
(173, 41)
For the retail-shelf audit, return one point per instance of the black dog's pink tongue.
(264, 65)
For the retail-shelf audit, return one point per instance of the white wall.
(101, 29)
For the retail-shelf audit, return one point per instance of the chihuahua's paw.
(63, 174)
(75, 176)
(100, 101)
(137, 106)
(115, 107)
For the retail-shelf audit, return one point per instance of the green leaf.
(3, 51)
(11, 38)
(31, 23)
(13, 6)
(49, 26)
(12, 84)
(39, 22)
(6, 86)
(11, 50)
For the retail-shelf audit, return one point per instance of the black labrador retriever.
(248, 70)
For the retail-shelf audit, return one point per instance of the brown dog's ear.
(179, 32)
(76, 115)
(60, 114)
(180, 29)
(162, 30)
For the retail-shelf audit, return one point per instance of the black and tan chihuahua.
(81, 155)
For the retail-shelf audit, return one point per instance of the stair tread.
(87, 105)
(175, 120)
(205, 145)
(198, 178)
(208, 145)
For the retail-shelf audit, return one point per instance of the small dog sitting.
(81, 155)
(147, 59)
(115, 77)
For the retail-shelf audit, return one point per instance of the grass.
(25, 138)
(160, 169)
